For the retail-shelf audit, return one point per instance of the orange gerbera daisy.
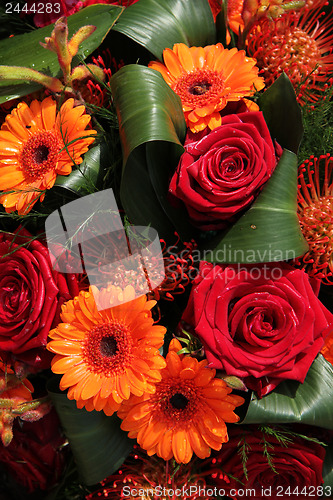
(106, 355)
(206, 79)
(187, 412)
(36, 145)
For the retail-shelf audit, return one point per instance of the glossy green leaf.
(328, 468)
(269, 231)
(157, 24)
(25, 49)
(152, 128)
(291, 402)
(282, 113)
(88, 177)
(98, 444)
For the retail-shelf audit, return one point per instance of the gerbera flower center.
(200, 88)
(107, 348)
(179, 401)
(40, 153)
(176, 401)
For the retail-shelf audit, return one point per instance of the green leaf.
(25, 49)
(158, 24)
(282, 113)
(328, 467)
(152, 128)
(88, 177)
(98, 444)
(292, 402)
(269, 231)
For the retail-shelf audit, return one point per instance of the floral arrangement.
(166, 242)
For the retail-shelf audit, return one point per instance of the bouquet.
(166, 318)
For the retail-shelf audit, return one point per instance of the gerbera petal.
(61, 364)
(180, 447)
(172, 63)
(91, 387)
(10, 177)
(152, 435)
(64, 347)
(72, 376)
(185, 57)
(48, 112)
(199, 446)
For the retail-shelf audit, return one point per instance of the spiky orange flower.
(299, 44)
(206, 79)
(315, 213)
(153, 479)
(187, 412)
(106, 355)
(37, 143)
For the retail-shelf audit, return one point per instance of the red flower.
(34, 457)
(294, 472)
(263, 323)
(31, 295)
(221, 174)
(48, 11)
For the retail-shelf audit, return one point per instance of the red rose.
(221, 174)
(31, 294)
(298, 467)
(35, 456)
(262, 323)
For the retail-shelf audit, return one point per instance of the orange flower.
(206, 79)
(315, 214)
(327, 350)
(109, 354)
(299, 44)
(186, 414)
(36, 145)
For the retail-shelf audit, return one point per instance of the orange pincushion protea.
(206, 79)
(187, 412)
(315, 214)
(299, 44)
(109, 354)
(37, 143)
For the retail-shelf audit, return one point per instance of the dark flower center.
(179, 401)
(41, 153)
(108, 347)
(199, 88)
